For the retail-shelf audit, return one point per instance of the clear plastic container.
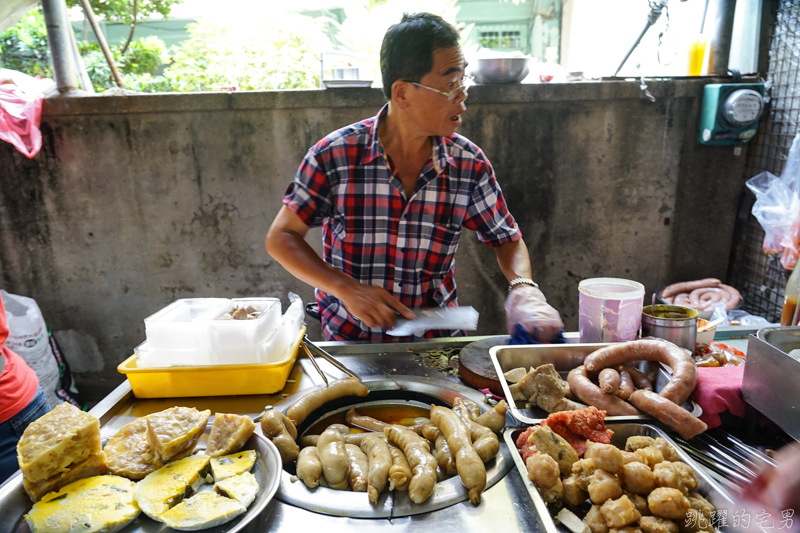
(610, 309)
(237, 333)
(147, 357)
(179, 326)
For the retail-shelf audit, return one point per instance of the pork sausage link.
(673, 416)
(626, 387)
(363, 421)
(340, 388)
(591, 394)
(609, 380)
(688, 286)
(639, 378)
(684, 370)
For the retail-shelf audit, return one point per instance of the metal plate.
(15, 502)
(446, 493)
(565, 357)
(707, 487)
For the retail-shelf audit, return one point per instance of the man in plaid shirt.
(392, 193)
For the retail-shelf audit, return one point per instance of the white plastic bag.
(28, 338)
(442, 318)
(777, 208)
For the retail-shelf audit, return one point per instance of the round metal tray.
(447, 492)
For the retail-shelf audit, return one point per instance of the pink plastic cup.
(610, 309)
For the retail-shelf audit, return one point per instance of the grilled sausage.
(626, 387)
(674, 416)
(609, 380)
(684, 370)
(591, 394)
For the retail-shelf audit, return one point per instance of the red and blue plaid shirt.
(375, 234)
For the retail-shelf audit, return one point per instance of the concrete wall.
(135, 201)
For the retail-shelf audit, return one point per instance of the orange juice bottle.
(790, 317)
(697, 52)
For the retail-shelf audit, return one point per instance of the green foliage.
(138, 66)
(122, 10)
(23, 47)
(279, 52)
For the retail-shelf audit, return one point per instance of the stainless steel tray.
(707, 487)
(14, 502)
(770, 377)
(564, 358)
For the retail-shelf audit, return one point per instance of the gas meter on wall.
(730, 113)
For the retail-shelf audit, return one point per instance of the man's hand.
(526, 305)
(372, 305)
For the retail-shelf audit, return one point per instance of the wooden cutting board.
(475, 366)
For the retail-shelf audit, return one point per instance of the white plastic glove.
(526, 305)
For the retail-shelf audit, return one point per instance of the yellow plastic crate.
(217, 380)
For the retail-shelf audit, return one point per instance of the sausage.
(684, 370)
(591, 394)
(350, 438)
(363, 421)
(400, 471)
(688, 286)
(379, 461)
(673, 416)
(626, 387)
(494, 418)
(359, 466)
(484, 440)
(279, 429)
(315, 399)
(639, 378)
(468, 465)
(309, 467)
(422, 463)
(335, 463)
(609, 380)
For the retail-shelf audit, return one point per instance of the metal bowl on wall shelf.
(502, 69)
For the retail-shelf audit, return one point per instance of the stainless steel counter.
(506, 505)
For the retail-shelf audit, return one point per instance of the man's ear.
(400, 94)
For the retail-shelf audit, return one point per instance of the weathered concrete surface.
(135, 201)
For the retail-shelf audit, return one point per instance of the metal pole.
(55, 17)
(101, 40)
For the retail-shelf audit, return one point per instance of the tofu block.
(242, 488)
(99, 504)
(164, 488)
(233, 465)
(203, 510)
(50, 445)
(94, 465)
(228, 434)
(175, 430)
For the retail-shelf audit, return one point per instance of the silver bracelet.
(521, 281)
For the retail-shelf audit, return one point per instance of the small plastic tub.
(216, 380)
(179, 325)
(237, 341)
(146, 357)
(610, 309)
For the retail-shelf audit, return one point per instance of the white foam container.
(238, 341)
(148, 357)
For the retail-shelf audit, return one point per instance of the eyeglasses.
(466, 81)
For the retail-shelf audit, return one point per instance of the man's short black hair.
(407, 49)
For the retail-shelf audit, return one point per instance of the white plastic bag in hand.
(527, 306)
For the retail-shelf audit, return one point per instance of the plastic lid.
(611, 288)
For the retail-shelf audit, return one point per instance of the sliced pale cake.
(129, 453)
(242, 488)
(99, 504)
(229, 433)
(94, 465)
(164, 488)
(51, 444)
(233, 464)
(175, 430)
(202, 511)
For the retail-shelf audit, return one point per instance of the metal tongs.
(308, 346)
